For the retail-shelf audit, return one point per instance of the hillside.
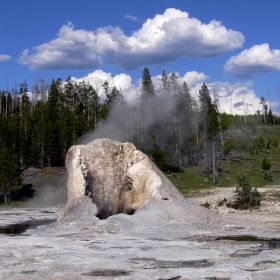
(262, 143)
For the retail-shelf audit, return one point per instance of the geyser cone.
(108, 177)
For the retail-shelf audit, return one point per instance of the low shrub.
(268, 177)
(245, 194)
(165, 161)
(221, 202)
(240, 144)
(206, 204)
(265, 164)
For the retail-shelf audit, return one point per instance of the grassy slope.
(194, 178)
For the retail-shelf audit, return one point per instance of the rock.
(79, 209)
(234, 154)
(118, 179)
(29, 172)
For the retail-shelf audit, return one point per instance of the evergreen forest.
(166, 123)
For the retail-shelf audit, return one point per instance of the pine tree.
(54, 114)
(270, 117)
(25, 125)
(205, 100)
(38, 137)
(174, 87)
(164, 87)
(10, 177)
(265, 108)
(205, 105)
(246, 194)
(147, 89)
(210, 128)
(265, 164)
(185, 112)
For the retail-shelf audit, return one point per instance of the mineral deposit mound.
(109, 179)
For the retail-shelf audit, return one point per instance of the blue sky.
(233, 46)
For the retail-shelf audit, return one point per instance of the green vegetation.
(265, 164)
(245, 194)
(10, 178)
(180, 134)
(268, 177)
(206, 204)
(247, 163)
(221, 202)
(39, 132)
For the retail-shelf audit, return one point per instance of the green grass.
(191, 180)
(249, 164)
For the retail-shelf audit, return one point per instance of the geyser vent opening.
(110, 200)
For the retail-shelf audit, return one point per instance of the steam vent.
(115, 181)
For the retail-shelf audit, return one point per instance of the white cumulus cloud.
(193, 78)
(5, 57)
(72, 49)
(162, 39)
(121, 81)
(127, 16)
(259, 59)
(238, 98)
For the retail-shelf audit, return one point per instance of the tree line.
(38, 132)
(166, 123)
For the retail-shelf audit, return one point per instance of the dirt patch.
(258, 220)
(217, 198)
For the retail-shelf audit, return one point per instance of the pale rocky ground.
(270, 199)
(168, 237)
(84, 252)
(266, 216)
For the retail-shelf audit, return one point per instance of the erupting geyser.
(107, 178)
